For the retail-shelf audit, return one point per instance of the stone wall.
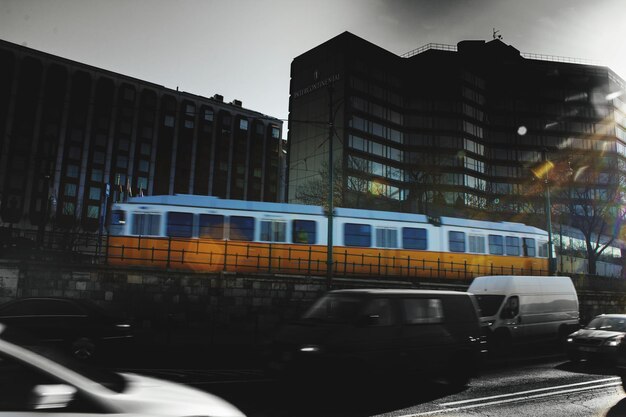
(182, 307)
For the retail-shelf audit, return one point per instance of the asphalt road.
(538, 384)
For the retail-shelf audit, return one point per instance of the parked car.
(79, 326)
(36, 379)
(599, 339)
(523, 309)
(362, 334)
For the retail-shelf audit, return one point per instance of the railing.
(233, 256)
(74, 248)
(527, 55)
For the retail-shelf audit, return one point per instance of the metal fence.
(72, 248)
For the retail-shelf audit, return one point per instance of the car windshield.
(335, 308)
(489, 304)
(615, 324)
(110, 380)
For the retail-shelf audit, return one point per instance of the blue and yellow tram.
(209, 234)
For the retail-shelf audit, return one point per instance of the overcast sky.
(242, 49)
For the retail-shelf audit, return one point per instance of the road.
(532, 386)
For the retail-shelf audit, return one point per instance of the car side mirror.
(52, 396)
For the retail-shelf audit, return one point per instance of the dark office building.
(71, 131)
(454, 130)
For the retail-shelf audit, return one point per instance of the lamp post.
(329, 250)
(551, 259)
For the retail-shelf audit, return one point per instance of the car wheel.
(83, 348)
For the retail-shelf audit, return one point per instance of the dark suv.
(359, 334)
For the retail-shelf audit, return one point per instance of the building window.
(275, 133)
(243, 124)
(72, 171)
(208, 115)
(144, 165)
(93, 212)
(188, 124)
(122, 161)
(168, 121)
(142, 183)
(123, 144)
(73, 152)
(94, 193)
(96, 175)
(68, 208)
(98, 157)
(69, 190)
(145, 149)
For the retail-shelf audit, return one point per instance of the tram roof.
(189, 200)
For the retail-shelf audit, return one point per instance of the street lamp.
(542, 172)
(329, 250)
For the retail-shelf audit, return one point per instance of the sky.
(243, 49)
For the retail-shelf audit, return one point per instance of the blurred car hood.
(597, 334)
(159, 397)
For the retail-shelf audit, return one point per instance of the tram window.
(211, 226)
(357, 235)
(304, 231)
(543, 249)
(512, 246)
(179, 224)
(241, 228)
(476, 244)
(413, 238)
(496, 245)
(457, 241)
(529, 246)
(118, 222)
(145, 224)
(386, 238)
(273, 231)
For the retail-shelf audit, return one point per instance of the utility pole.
(551, 259)
(329, 253)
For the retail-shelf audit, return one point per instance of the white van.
(526, 308)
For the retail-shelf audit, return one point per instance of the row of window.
(242, 228)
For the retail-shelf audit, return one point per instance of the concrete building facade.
(463, 130)
(76, 138)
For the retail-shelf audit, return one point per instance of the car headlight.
(310, 349)
(614, 341)
(570, 340)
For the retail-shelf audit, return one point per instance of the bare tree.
(588, 194)
(315, 191)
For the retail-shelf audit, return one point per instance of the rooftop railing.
(527, 55)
